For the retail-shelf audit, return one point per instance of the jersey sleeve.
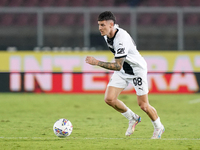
(120, 49)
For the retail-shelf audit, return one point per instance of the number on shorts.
(137, 81)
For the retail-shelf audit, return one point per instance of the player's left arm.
(117, 65)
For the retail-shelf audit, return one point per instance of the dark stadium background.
(155, 24)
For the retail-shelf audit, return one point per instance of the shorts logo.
(140, 88)
(121, 51)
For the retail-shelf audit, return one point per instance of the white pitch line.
(194, 101)
(168, 139)
(95, 138)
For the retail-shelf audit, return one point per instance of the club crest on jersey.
(121, 51)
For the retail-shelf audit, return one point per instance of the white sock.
(157, 123)
(130, 115)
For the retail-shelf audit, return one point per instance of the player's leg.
(111, 98)
(152, 113)
(114, 88)
(146, 107)
(141, 86)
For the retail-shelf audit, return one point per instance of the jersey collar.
(113, 36)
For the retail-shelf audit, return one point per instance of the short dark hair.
(107, 15)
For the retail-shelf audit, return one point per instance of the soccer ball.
(62, 128)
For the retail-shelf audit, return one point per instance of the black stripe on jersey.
(112, 50)
(128, 69)
(120, 57)
(110, 41)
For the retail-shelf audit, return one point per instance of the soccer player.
(129, 67)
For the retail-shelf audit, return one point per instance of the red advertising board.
(93, 82)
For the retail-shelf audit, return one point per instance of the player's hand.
(91, 60)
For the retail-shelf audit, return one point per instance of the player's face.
(105, 27)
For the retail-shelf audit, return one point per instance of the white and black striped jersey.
(122, 45)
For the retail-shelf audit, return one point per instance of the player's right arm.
(117, 65)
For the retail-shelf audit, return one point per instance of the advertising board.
(67, 72)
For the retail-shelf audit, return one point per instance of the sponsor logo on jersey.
(121, 51)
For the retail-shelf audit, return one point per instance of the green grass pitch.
(26, 122)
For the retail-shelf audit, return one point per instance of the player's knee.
(109, 100)
(144, 107)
